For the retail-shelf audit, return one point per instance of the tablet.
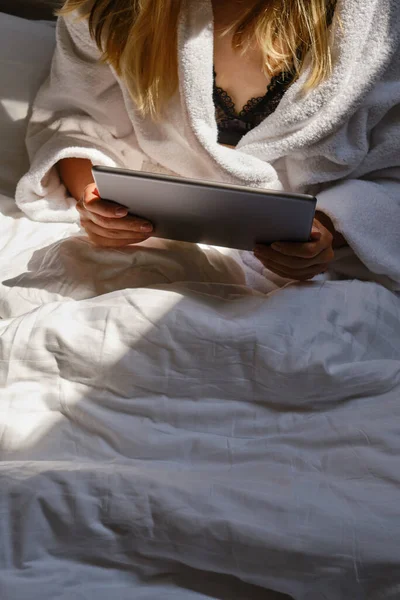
(205, 212)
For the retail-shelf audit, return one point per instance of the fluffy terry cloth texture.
(340, 141)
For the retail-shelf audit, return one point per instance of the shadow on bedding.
(177, 433)
(61, 527)
(74, 269)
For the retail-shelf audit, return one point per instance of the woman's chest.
(240, 75)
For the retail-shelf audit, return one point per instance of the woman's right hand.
(108, 224)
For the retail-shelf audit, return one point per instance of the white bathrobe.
(341, 141)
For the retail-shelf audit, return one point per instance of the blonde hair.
(133, 36)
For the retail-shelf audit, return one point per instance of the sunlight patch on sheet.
(27, 430)
(15, 109)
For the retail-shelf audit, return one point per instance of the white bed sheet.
(168, 432)
(175, 439)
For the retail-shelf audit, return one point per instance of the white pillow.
(26, 50)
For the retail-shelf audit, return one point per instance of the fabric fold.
(78, 113)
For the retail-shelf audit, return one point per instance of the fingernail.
(147, 227)
(96, 192)
(121, 212)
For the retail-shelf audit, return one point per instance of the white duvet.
(175, 425)
(179, 438)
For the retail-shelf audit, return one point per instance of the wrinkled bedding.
(168, 432)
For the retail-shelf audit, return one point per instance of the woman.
(328, 124)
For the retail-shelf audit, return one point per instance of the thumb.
(316, 234)
(89, 194)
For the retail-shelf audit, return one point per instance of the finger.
(316, 233)
(295, 276)
(94, 204)
(106, 243)
(309, 272)
(320, 239)
(300, 275)
(115, 234)
(307, 250)
(131, 224)
(103, 242)
(306, 276)
(127, 223)
(294, 262)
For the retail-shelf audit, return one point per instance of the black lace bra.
(232, 126)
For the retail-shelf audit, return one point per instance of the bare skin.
(105, 223)
(242, 78)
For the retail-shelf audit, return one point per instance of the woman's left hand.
(299, 261)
